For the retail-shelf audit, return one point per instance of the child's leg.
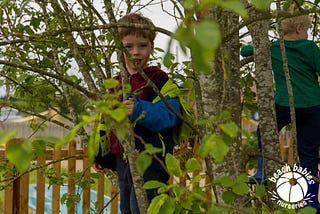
(308, 134)
(154, 174)
(150, 174)
(125, 185)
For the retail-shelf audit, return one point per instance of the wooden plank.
(8, 194)
(114, 202)
(56, 187)
(11, 201)
(24, 194)
(86, 190)
(100, 192)
(41, 160)
(71, 170)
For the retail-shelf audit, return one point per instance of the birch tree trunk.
(265, 92)
(220, 91)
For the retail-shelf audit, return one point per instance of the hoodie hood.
(138, 83)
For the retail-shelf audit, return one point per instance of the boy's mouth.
(138, 61)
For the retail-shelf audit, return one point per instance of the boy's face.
(139, 49)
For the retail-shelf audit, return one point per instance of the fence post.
(56, 187)
(86, 190)
(114, 202)
(41, 160)
(100, 192)
(71, 170)
(17, 194)
(8, 192)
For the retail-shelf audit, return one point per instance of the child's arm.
(155, 116)
(316, 52)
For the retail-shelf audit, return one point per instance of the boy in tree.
(154, 120)
(304, 67)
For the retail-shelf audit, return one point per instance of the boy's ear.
(298, 28)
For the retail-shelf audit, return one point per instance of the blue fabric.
(260, 175)
(157, 116)
(157, 121)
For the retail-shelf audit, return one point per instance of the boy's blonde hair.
(135, 18)
(289, 24)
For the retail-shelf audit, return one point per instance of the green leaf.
(240, 188)
(243, 177)
(39, 146)
(178, 191)
(119, 114)
(196, 179)
(20, 154)
(168, 59)
(202, 57)
(226, 181)
(156, 203)
(187, 203)
(231, 129)
(235, 6)
(153, 184)
(169, 206)
(143, 161)
(6, 136)
(149, 148)
(207, 34)
(120, 130)
(307, 210)
(228, 197)
(217, 210)
(192, 165)
(173, 165)
(261, 5)
(214, 145)
(184, 36)
(110, 83)
(260, 190)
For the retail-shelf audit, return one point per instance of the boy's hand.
(98, 167)
(129, 104)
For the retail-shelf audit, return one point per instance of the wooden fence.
(16, 195)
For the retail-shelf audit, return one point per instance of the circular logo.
(292, 187)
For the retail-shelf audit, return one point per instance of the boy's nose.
(135, 51)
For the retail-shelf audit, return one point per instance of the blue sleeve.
(246, 51)
(156, 116)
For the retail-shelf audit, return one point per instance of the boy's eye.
(128, 46)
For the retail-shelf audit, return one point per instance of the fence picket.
(86, 190)
(56, 187)
(41, 160)
(71, 170)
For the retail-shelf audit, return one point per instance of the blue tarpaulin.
(63, 207)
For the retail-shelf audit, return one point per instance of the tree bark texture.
(220, 92)
(265, 92)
